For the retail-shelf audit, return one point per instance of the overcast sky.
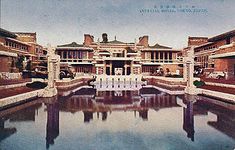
(64, 21)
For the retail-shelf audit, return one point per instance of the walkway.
(14, 91)
(219, 89)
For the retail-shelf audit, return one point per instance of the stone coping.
(12, 100)
(220, 95)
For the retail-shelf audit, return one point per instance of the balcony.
(161, 61)
(76, 61)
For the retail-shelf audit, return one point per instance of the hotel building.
(215, 54)
(118, 58)
(15, 44)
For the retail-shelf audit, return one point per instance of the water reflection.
(225, 113)
(20, 113)
(52, 108)
(5, 132)
(188, 119)
(100, 104)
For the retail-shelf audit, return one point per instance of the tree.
(19, 62)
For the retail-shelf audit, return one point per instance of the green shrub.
(36, 85)
(198, 83)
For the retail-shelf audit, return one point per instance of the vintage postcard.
(117, 75)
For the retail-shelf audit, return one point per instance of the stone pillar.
(189, 65)
(57, 67)
(188, 119)
(131, 68)
(163, 58)
(104, 68)
(111, 67)
(52, 128)
(159, 59)
(125, 67)
(154, 56)
(53, 73)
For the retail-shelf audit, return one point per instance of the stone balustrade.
(10, 76)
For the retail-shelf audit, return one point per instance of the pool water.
(119, 120)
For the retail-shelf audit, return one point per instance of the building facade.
(10, 51)
(118, 58)
(76, 55)
(215, 54)
(16, 47)
(35, 49)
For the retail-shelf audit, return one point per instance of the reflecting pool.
(146, 119)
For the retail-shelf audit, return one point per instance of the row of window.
(16, 45)
(204, 61)
(210, 47)
(202, 58)
(73, 54)
(158, 55)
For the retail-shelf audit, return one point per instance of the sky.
(64, 21)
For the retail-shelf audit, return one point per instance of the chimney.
(88, 39)
(144, 41)
(105, 37)
(195, 41)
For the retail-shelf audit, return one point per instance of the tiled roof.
(222, 36)
(114, 42)
(157, 46)
(6, 33)
(129, 50)
(73, 44)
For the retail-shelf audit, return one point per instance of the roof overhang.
(77, 63)
(131, 54)
(156, 49)
(18, 41)
(151, 63)
(74, 48)
(118, 58)
(104, 53)
(8, 54)
(224, 55)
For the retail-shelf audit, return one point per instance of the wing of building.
(13, 45)
(118, 58)
(215, 54)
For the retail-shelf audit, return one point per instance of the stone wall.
(5, 64)
(10, 76)
(166, 83)
(171, 67)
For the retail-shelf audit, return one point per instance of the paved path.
(18, 81)
(14, 91)
(219, 89)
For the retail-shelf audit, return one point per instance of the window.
(228, 41)
(166, 55)
(156, 55)
(59, 53)
(70, 54)
(64, 54)
(74, 54)
(161, 56)
(152, 56)
(170, 55)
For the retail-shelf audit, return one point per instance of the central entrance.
(118, 68)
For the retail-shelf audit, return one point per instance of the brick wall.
(5, 64)
(144, 41)
(195, 41)
(171, 67)
(88, 39)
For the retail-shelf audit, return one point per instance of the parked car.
(66, 73)
(217, 75)
(40, 72)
